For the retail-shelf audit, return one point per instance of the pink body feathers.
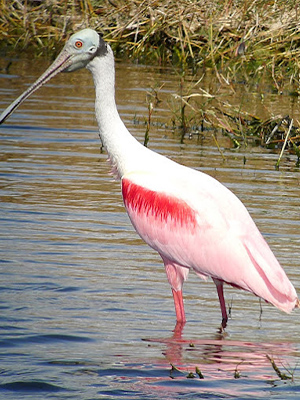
(207, 229)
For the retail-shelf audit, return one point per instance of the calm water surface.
(86, 310)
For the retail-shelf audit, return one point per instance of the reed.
(283, 376)
(206, 33)
(207, 112)
(249, 40)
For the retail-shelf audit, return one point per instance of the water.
(86, 310)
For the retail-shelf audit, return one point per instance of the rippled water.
(86, 310)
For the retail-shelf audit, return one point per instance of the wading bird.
(188, 217)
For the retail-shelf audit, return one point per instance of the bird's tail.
(272, 283)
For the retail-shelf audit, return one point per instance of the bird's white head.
(81, 48)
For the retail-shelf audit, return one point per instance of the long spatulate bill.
(62, 62)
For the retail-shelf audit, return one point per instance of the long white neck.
(125, 152)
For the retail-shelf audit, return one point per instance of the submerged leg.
(219, 285)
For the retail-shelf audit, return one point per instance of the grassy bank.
(246, 40)
(198, 33)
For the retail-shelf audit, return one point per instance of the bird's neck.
(119, 143)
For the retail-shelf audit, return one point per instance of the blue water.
(86, 310)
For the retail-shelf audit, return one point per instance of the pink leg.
(179, 307)
(219, 285)
(176, 276)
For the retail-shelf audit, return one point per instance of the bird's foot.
(178, 329)
(223, 325)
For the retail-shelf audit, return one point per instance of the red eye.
(78, 44)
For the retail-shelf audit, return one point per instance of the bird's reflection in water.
(219, 355)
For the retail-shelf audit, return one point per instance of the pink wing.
(205, 227)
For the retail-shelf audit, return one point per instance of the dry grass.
(203, 33)
(246, 40)
(196, 111)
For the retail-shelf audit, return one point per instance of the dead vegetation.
(202, 33)
(248, 40)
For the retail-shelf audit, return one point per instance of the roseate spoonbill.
(188, 217)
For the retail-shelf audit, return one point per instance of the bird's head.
(81, 48)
